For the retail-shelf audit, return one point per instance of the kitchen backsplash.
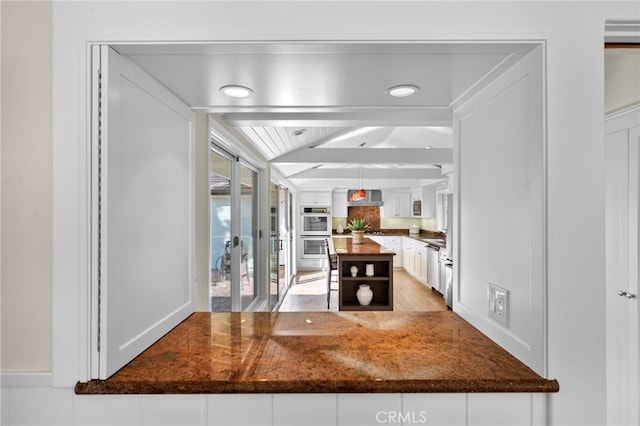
(427, 224)
(370, 214)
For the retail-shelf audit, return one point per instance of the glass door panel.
(279, 244)
(248, 234)
(274, 246)
(220, 180)
(284, 212)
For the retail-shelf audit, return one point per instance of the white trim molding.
(26, 379)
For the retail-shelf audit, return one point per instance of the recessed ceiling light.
(236, 91)
(402, 90)
(427, 147)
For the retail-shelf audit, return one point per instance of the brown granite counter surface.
(394, 233)
(322, 352)
(367, 248)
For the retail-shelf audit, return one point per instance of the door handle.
(236, 241)
(626, 294)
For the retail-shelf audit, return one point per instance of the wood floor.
(309, 294)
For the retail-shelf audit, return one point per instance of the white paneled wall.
(441, 409)
(305, 409)
(36, 406)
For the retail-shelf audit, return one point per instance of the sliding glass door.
(279, 244)
(234, 232)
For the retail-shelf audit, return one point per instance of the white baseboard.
(26, 379)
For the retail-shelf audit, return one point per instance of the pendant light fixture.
(360, 194)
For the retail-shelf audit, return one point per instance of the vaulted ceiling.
(319, 112)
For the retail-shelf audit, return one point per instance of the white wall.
(575, 203)
(500, 208)
(622, 84)
(26, 187)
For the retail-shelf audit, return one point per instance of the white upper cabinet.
(339, 204)
(397, 203)
(429, 201)
(308, 198)
(403, 204)
(427, 195)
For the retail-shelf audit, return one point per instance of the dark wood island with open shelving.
(381, 282)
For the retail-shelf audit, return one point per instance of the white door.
(143, 191)
(622, 157)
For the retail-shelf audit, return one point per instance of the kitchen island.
(369, 264)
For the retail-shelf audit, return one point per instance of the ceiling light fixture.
(402, 90)
(299, 132)
(236, 91)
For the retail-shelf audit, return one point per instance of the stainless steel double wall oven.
(315, 228)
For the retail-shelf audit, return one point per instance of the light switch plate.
(498, 304)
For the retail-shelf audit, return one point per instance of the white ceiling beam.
(355, 173)
(368, 183)
(337, 117)
(368, 155)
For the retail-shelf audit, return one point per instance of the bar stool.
(332, 265)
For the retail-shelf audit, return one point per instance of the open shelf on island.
(381, 282)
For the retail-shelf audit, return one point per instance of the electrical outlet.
(498, 301)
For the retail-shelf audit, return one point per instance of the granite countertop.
(436, 238)
(322, 352)
(367, 248)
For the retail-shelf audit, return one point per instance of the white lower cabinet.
(406, 256)
(415, 258)
(397, 249)
(421, 265)
(391, 243)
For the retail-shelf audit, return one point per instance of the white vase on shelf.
(368, 271)
(364, 294)
(354, 270)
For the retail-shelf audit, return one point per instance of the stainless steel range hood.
(364, 197)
